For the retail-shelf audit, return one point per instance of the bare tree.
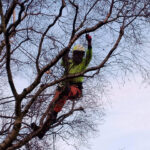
(33, 41)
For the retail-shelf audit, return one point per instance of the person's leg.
(58, 101)
(51, 118)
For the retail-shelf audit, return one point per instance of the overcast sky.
(127, 120)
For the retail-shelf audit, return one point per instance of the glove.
(88, 38)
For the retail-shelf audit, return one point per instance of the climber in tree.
(69, 89)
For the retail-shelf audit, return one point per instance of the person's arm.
(89, 51)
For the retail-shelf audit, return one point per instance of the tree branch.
(75, 17)
(8, 13)
(44, 34)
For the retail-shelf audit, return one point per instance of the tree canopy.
(36, 34)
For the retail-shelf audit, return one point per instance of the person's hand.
(88, 38)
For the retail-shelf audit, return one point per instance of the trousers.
(73, 92)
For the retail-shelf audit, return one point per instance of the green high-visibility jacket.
(73, 68)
